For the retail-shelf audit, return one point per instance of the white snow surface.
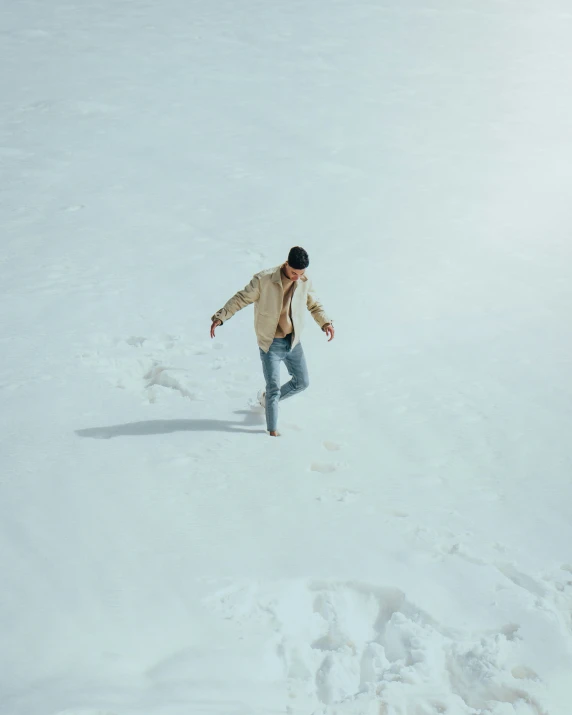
(405, 547)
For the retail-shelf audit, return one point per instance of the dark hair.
(298, 258)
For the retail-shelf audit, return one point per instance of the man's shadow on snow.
(141, 429)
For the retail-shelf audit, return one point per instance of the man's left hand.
(329, 330)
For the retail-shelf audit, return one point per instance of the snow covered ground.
(405, 548)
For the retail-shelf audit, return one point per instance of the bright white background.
(405, 547)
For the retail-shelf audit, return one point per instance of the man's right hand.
(214, 325)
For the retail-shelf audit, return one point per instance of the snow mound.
(350, 647)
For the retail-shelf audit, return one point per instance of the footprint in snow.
(342, 495)
(219, 363)
(323, 467)
(73, 208)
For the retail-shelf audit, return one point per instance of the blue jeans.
(295, 362)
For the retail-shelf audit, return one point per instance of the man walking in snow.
(280, 295)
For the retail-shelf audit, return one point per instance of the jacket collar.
(277, 277)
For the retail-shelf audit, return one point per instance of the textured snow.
(405, 547)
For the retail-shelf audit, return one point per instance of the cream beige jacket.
(265, 291)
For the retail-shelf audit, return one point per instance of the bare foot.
(275, 434)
